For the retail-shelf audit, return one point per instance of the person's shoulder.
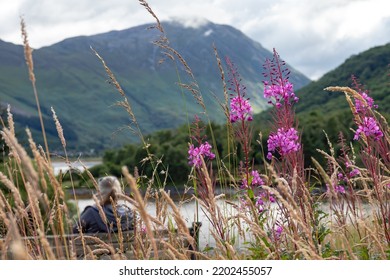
(90, 208)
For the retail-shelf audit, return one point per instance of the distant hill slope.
(72, 80)
(371, 67)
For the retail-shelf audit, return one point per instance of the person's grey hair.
(109, 186)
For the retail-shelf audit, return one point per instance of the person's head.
(109, 188)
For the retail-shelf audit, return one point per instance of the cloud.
(190, 22)
(317, 36)
(313, 36)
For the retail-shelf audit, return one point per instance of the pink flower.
(354, 173)
(259, 204)
(195, 154)
(256, 180)
(262, 198)
(280, 92)
(337, 188)
(285, 141)
(278, 232)
(360, 105)
(369, 127)
(240, 109)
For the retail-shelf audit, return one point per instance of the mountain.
(72, 80)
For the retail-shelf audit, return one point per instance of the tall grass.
(276, 212)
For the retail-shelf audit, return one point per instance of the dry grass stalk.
(176, 255)
(344, 243)
(294, 214)
(60, 131)
(29, 61)
(25, 165)
(15, 192)
(46, 246)
(5, 209)
(59, 206)
(257, 231)
(38, 159)
(99, 242)
(375, 237)
(142, 208)
(114, 81)
(10, 120)
(224, 106)
(231, 252)
(140, 249)
(147, 7)
(348, 91)
(170, 52)
(208, 200)
(118, 222)
(34, 207)
(182, 227)
(111, 75)
(194, 89)
(17, 248)
(27, 51)
(161, 208)
(102, 214)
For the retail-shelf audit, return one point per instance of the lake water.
(62, 166)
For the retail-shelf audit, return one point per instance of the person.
(91, 220)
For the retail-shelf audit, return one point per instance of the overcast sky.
(314, 36)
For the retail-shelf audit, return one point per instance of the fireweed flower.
(368, 127)
(195, 154)
(285, 141)
(275, 93)
(259, 203)
(262, 199)
(337, 188)
(278, 232)
(360, 106)
(256, 181)
(240, 109)
(354, 172)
